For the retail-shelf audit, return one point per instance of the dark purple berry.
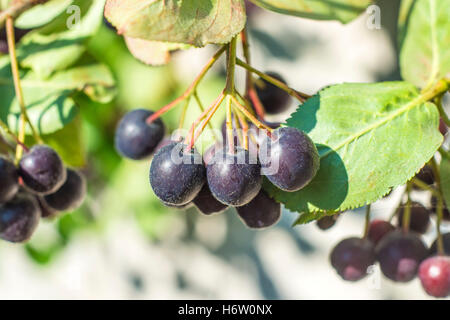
(19, 218)
(400, 255)
(234, 179)
(442, 127)
(378, 229)
(327, 222)
(261, 212)
(9, 180)
(135, 138)
(419, 219)
(273, 98)
(42, 170)
(290, 161)
(46, 211)
(426, 175)
(434, 274)
(206, 203)
(71, 194)
(446, 242)
(352, 257)
(177, 175)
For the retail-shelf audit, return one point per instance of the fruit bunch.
(398, 247)
(40, 186)
(228, 174)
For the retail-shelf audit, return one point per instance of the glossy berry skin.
(327, 222)
(42, 170)
(274, 99)
(71, 194)
(177, 176)
(19, 218)
(352, 257)
(434, 274)
(378, 229)
(260, 213)
(295, 156)
(419, 220)
(400, 255)
(206, 203)
(233, 179)
(446, 241)
(135, 138)
(9, 180)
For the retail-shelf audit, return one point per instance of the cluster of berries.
(40, 186)
(401, 252)
(223, 177)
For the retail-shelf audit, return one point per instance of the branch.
(17, 8)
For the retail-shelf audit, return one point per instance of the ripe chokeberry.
(327, 222)
(291, 161)
(378, 229)
(426, 175)
(261, 212)
(42, 170)
(206, 203)
(234, 178)
(419, 219)
(446, 243)
(135, 138)
(434, 274)
(9, 178)
(400, 255)
(274, 99)
(19, 218)
(71, 194)
(352, 257)
(177, 175)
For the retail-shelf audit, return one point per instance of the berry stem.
(183, 113)
(407, 212)
(229, 124)
(440, 206)
(422, 185)
(18, 89)
(367, 222)
(192, 134)
(238, 128)
(16, 139)
(190, 90)
(251, 117)
(202, 109)
(442, 113)
(231, 67)
(249, 84)
(296, 94)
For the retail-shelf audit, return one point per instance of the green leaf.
(403, 19)
(445, 179)
(195, 22)
(49, 102)
(341, 10)
(69, 144)
(41, 14)
(370, 137)
(152, 52)
(50, 49)
(425, 54)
